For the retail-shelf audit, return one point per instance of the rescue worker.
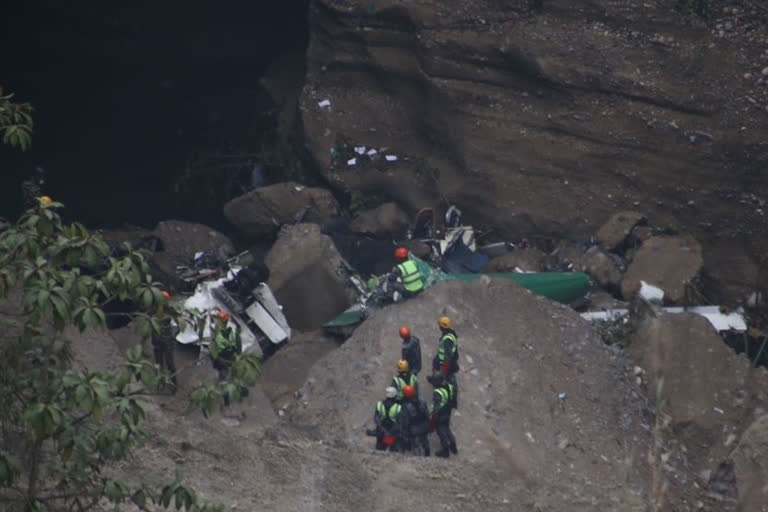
(225, 347)
(416, 420)
(164, 341)
(441, 415)
(404, 377)
(405, 278)
(388, 421)
(411, 350)
(446, 360)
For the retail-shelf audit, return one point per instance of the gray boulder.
(308, 276)
(614, 232)
(385, 220)
(263, 210)
(601, 267)
(668, 262)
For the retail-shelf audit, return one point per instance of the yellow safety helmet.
(444, 322)
(45, 201)
(402, 365)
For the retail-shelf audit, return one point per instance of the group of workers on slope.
(224, 348)
(403, 420)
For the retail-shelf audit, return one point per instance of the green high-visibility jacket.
(409, 273)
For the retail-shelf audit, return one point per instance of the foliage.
(64, 428)
(15, 122)
(698, 8)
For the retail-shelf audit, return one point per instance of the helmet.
(166, 295)
(401, 253)
(390, 392)
(409, 391)
(444, 322)
(402, 365)
(223, 316)
(405, 332)
(45, 200)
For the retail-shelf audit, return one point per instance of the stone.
(614, 232)
(601, 267)
(529, 260)
(668, 262)
(387, 220)
(765, 71)
(308, 276)
(699, 377)
(750, 459)
(263, 210)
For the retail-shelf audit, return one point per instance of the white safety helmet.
(390, 392)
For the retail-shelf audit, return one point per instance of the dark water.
(125, 96)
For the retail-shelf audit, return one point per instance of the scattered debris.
(324, 104)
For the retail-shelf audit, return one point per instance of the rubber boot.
(442, 453)
(454, 449)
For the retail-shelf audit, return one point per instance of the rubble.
(528, 260)
(668, 262)
(263, 210)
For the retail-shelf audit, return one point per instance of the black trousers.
(420, 441)
(164, 359)
(444, 432)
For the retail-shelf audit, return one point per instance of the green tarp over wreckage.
(565, 287)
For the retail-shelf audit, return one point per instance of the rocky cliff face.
(545, 122)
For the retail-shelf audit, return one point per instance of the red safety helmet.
(405, 332)
(223, 316)
(166, 295)
(401, 253)
(409, 391)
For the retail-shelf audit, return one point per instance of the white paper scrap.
(352, 161)
(391, 158)
(371, 152)
(360, 150)
(324, 104)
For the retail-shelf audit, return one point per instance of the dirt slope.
(542, 402)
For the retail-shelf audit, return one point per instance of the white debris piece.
(198, 255)
(324, 104)
(298, 188)
(372, 152)
(733, 321)
(352, 161)
(360, 150)
(651, 293)
(391, 158)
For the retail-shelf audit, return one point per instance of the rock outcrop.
(541, 122)
(387, 220)
(668, 262)
(308, 276)
(528, 260)
(751, 466)
(263, 210)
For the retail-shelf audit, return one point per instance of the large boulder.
(180, 241)
(751, 466)
(263, 210)
(308, 276)
(613, 233)
(698, 382)
(541, 400)
(528, 260)
(668, 262)
(602, 267)
(387, 220)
